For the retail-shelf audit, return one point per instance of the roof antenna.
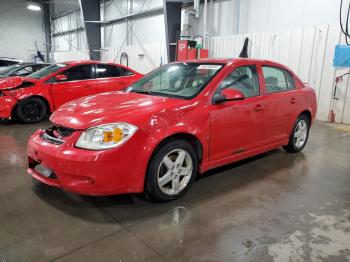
(244, 52)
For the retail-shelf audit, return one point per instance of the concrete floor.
(274, 207)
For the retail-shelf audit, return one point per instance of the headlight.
(105, 136)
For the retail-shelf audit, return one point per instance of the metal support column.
(92, 19)
(172, 19)
(47, 28)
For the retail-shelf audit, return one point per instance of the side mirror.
(228, 94)
(60, 78)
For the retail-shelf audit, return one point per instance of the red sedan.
(178, 121)
(30, 99)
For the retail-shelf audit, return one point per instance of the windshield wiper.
(141, 91)
(147, 92)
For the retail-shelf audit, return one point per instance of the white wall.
(265, 15)
(20, 28)
(271, 15)
(143, 39)
(69, 46)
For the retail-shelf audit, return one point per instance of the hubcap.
(174, 172)
(300, 133)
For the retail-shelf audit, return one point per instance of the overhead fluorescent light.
(33, 7)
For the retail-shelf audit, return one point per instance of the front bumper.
(108, 172)
(6, 105)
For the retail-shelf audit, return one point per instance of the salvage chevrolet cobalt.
(30, 99)
(175, 123)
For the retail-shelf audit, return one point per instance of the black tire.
(152, 189)
(31, 110)
(292, 146)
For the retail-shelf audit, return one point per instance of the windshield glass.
(9, 70)
(46, 71)
(182, 80)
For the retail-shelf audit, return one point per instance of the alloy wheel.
(300, 133)
(174, 172)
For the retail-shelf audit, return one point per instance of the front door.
(238, 126)
(79, 83)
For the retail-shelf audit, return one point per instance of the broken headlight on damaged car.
(105, 136)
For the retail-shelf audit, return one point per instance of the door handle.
(293, 100)
(121, 82)
(87, 85)
(258, 108)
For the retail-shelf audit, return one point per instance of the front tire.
(31, 110)
(299, 136)
(171, 171)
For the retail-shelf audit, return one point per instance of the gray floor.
(275, 207)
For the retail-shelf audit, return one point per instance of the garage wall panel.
(143, 58)
(20, 29)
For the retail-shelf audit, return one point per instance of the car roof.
(86, 62)
(32, 63)
(237, 60)
(230, 60)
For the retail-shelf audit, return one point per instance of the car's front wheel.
(171, 171)
(31, 110)
(299, 135)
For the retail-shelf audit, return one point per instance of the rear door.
(80, 82)
(112, 78)
(237, 127)
(281, 102)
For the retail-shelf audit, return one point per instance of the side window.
(125, 72)
(107, 71)
(277, 79)
(81, 72)
(244, 79)
(38, 67)
(290, 80)
(24, 71)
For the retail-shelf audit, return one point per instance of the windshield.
(182, 80)
(46, 71)
(9, 70)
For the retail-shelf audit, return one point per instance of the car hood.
(16, 82)
(110, 107)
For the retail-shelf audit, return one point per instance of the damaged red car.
(30, 99)
(178, 121)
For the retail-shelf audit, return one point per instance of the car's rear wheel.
(171, 171)
(31, 110)
(299, 135)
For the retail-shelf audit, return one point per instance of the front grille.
(56, 134)
(62, 131)
(51, 139)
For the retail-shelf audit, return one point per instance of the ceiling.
(63, 6)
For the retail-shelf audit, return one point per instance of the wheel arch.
(308, 114)
(192, 139)
(13, 113)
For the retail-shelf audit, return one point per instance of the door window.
(107, 71)
(277, 79)
(244, 79)
(81, 72)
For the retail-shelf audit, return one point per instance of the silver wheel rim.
(175, 171)
(300, 133)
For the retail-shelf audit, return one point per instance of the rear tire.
(31, 110)
(299, 136)
(171, 171)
